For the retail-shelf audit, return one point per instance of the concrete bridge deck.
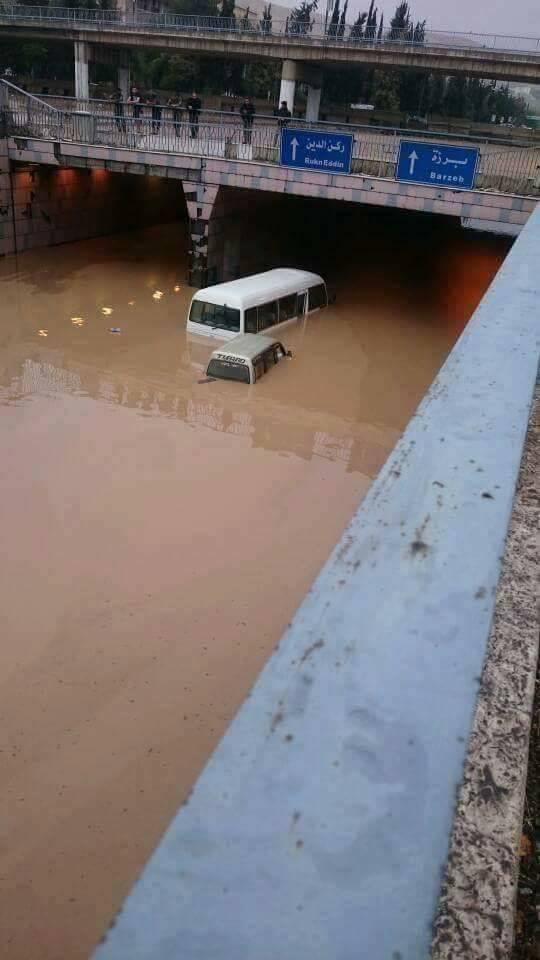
(489, 56)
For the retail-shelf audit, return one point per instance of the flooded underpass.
(158, 533)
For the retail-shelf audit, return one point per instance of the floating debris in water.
(131, 303)
(177, 288)
(43, 333)
(106, 311)
(77, 321)
(157, 294)
(114, 329)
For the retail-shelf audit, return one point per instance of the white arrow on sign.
(413, 157)
(294, 144)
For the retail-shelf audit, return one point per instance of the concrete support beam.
(82, 59)
(292, 73)
(200, 201)
(288, 83)
(313, 103)
(123, 81)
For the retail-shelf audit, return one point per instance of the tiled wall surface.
(44, 206)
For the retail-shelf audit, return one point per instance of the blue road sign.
(439, 164)
(316, 150)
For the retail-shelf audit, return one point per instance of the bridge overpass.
(506, 190)
(304, 50)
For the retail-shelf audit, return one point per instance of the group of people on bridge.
(137, 103)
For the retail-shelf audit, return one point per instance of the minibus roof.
(259, 288)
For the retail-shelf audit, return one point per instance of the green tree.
(196, 8)
(386, 90)
(334, 20)
(343, 20)
(266, 22)
(226, 10)
(300, 20)
(357, 29)
(371, 23)
(400, 23)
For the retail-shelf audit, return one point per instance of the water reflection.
(267, 424)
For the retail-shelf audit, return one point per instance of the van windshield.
(228, 370)
(215, 315)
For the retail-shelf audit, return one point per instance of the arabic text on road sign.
(439, 164)
(316, 150)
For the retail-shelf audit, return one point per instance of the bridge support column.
(200, 203)
(123, 81)
(82, 58)
(313, 78)
(288, 83)
(293, 73)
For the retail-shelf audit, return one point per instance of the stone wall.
(43, 206)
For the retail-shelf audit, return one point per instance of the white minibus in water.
(255, 304)
(246, 358)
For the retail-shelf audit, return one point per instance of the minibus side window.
(317, 297)
(287, 307)
(215, 315)
(267, 315)
(250, 320)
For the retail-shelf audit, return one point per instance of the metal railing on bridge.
(316, 32)
(502, 168)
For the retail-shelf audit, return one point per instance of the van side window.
(317, 297)
(250, 320)
(268, 315)
(287, 307)
(269, 358)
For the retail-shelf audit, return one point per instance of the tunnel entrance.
(53, 205)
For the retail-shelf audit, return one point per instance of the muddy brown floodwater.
(159, 533)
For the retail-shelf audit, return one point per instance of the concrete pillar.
(312, 76)
(123, 81)
(313, 103)
(200, 201)
(8, 242)
(82, 58)
(288, 83)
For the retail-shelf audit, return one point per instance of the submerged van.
(256, 303)
(246, 358)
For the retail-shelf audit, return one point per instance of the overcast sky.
(516, 17)
(513, 17)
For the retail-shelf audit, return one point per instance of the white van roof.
(259, 288)
(247, 346)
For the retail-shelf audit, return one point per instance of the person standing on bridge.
(119, 110)
(247, 112)
(156, 114)
(135, 100)
(194, 107)
(284, 115)
(177, 111)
